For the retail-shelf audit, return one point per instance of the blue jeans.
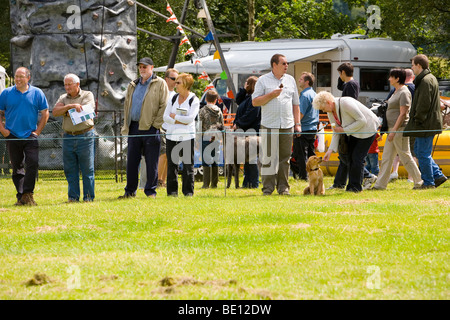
(78, 155)
(429, 170)
(372, 163)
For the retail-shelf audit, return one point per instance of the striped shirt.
(277, 113)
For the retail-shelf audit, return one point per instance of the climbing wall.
(95, 39)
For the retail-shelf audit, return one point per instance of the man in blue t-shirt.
(20, 105)
(309, 119)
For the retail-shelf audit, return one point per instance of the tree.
(425, 25)
(5, 36)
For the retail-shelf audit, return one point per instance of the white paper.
(87, 113)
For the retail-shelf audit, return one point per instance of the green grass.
(242, 246)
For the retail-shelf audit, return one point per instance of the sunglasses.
(172, 78)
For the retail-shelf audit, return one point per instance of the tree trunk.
(251, 20)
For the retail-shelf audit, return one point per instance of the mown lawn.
(390, 244)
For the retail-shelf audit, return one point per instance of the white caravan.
(371, 58)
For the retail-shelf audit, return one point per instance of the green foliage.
(307, 19)
(5, 36)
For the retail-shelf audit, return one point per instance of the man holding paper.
(78, 144)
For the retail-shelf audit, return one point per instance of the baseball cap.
(147, 61)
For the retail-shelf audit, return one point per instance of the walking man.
(21, 105)
(78, 143)
(144, 107)
(425, 121)
(276, 93)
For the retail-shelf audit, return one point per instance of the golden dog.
(315, 177)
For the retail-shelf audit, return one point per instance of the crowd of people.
(160, 117)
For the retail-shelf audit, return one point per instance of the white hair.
(321, 100)
(72, 76)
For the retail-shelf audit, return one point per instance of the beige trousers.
(276, 152)
(400, 146)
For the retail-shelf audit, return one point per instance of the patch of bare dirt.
(50, 228)
(168, 284)
(38, 279)
(109, 278)
(301, 226)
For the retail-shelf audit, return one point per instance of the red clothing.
(374, 146)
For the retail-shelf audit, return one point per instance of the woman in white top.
(349, 116)
(179, 119)
(397, 116)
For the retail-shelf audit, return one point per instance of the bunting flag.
(216, 55)
(179, 27)
(190, 51)
(223, 75)
(204, 76)
(197, 61)
(209, 86)
(184, 40)
(230, 94)
(172, 18)
(169, 8)
(209, 37)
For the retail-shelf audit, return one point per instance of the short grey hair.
(321, 100)
(72, 76)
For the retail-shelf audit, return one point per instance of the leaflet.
(87, 113)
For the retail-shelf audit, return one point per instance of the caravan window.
(323, 74)
(374, 80)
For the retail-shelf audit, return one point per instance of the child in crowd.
(372, 156)
(210, 117)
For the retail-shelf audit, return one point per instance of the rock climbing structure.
(95, 39)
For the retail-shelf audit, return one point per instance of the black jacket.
(247, 116)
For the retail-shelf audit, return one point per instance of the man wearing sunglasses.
(144, 107)
(277, 95)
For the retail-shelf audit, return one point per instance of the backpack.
(175, 96)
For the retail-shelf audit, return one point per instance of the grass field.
(390, 244)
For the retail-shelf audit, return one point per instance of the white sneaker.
(368, 182)
(393, 176)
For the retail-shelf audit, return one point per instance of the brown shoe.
(27, 199)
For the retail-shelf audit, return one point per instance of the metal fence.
(110, 153)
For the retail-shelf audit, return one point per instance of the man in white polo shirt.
(277, 95)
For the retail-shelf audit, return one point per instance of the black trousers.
(180, 152)
(24, 157)
(303, 149)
